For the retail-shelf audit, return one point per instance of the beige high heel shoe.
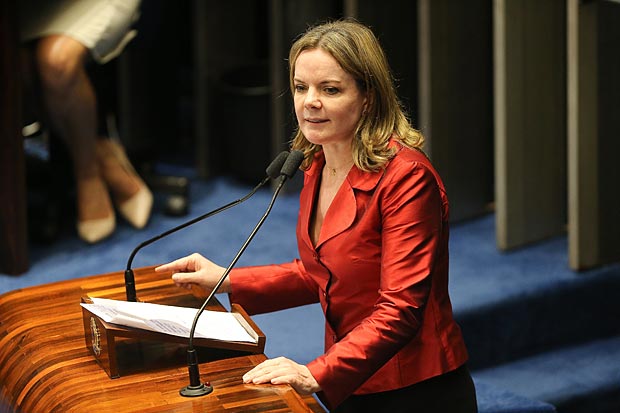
(137, 209)
(132, 197)
(93, 198)
(95, 230)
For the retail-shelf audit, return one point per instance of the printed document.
(171, 320)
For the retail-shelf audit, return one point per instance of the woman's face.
(328, 102)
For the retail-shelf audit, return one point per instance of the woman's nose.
(312, 99)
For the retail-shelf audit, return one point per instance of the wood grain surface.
(46, 367)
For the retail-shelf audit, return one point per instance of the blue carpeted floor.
(538, 333)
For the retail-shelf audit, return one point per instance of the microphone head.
(273, 170)
(292, 163)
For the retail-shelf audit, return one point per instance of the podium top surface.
(45, 365)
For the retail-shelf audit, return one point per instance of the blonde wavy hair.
(357, 50)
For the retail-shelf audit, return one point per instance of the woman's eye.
(331, 90)
(299, 88)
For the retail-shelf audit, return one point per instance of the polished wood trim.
(45, 365)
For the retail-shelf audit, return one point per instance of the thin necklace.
(334, 171)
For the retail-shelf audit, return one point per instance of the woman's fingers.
(189, 264)
(182, 278)
(177, 265)
(283, 371)
(264, 372)
(195, 270)
(259, 373)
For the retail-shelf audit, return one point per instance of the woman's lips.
(313, 120)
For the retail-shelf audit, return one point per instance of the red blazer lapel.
(306, 199)
(343, 210)
(341, 213)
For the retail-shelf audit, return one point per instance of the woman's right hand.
(196, 270)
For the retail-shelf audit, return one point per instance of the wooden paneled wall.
(593, 132)
(530, 120)
(456, 100)
(557, 100)
(520, 103)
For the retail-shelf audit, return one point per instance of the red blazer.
(380, 272)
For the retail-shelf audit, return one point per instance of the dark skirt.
(453, 392)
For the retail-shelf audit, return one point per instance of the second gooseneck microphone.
(196, 388)
(273, 171)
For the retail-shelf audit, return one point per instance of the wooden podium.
(47, 362)
(103, 339)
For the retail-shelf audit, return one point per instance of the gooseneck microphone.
(196, 387)
(273, 171)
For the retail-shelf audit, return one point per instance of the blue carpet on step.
(567, 377)
(520, 303)
(495, 399)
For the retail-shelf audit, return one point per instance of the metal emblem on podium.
(95, 335)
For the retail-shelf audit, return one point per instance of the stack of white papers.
(171, 320)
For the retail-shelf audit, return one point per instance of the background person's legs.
(99, 164)
(70, 102)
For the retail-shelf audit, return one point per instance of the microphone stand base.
(196, 391)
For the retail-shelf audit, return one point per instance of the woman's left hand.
(283, 371)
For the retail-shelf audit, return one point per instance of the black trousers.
(453, 392)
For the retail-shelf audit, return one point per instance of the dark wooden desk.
(45, 365)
